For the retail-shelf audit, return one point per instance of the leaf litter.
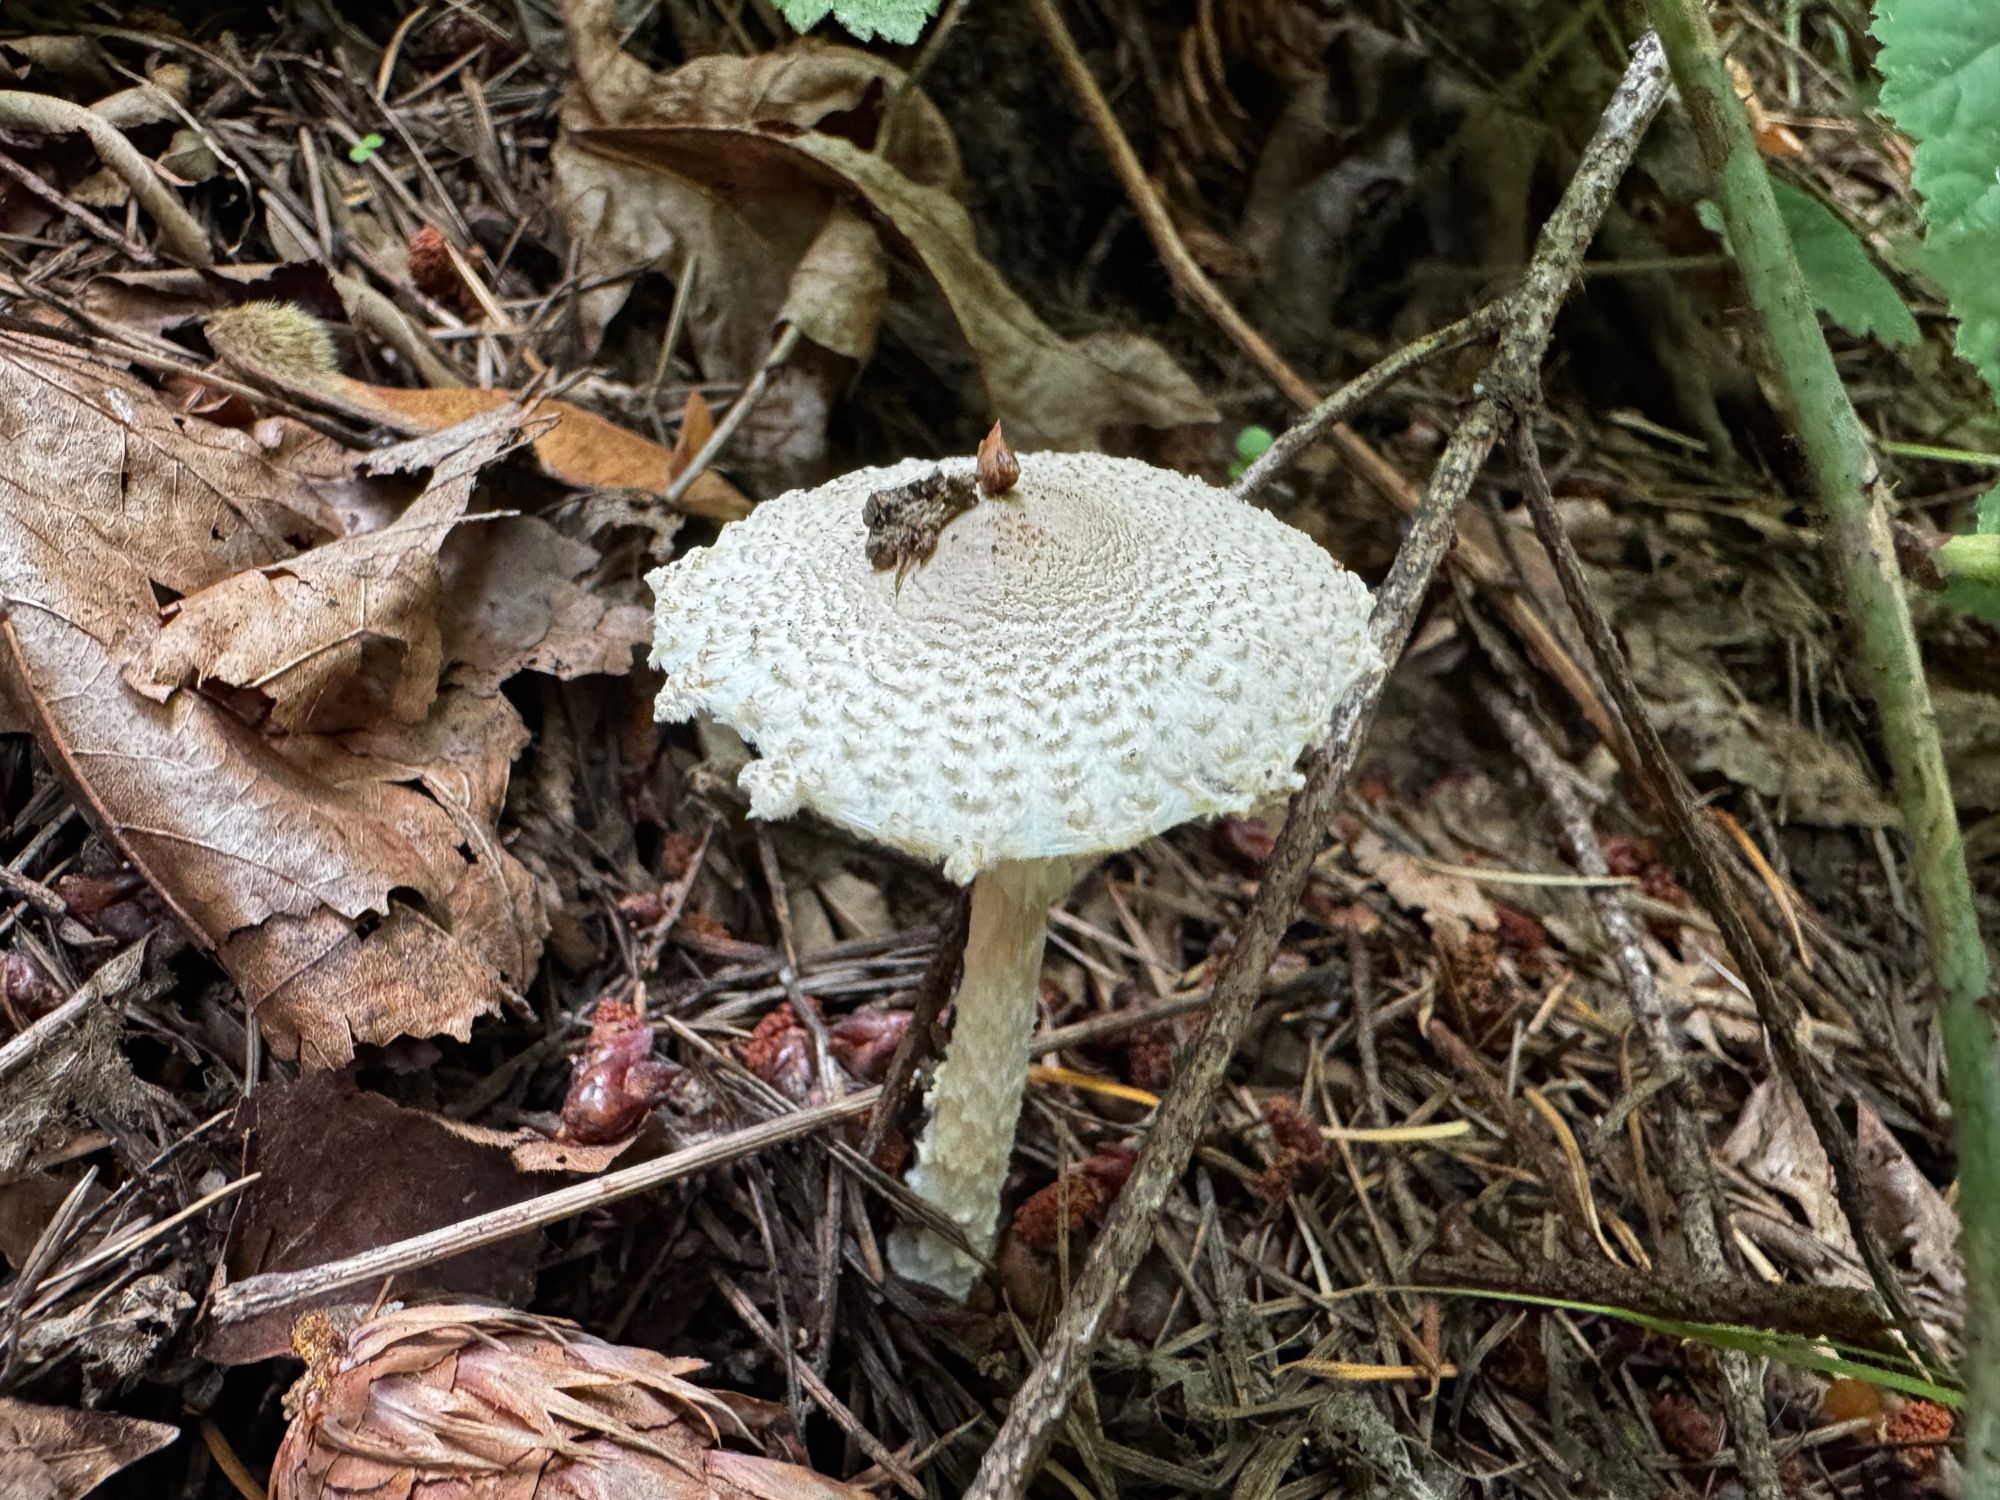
(363, 725)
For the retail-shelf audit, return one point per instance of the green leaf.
(364, 148)
(1986, 515)
(1940, 66)
(1842, 277)
(1253, 442)
(896, 21)
(1845, 282)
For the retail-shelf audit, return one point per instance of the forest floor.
(325, 705)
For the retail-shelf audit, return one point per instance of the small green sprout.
(1251, 444)
(362, 150)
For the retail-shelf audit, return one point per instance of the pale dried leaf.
(1910, 1212)
(1448, 903)
(514, 601)
(54, 1453)
(837, 293)
(1774, 1143)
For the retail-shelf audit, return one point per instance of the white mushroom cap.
(1105, 651)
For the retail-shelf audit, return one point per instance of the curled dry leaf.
(354, 886)
(1774, 1143)
(54, 1453)
(341, 635)
(679, 156)
(480, 1403)
(1909, 1210)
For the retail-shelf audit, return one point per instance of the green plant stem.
(1972, 559)
(1849, 489)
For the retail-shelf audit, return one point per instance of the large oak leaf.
(355, 886)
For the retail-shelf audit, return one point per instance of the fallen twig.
(273, 1290)
(1689, 1178)
(270, 1291)
(1043, 1399)
(1673, 803)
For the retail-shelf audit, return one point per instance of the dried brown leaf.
(786, 124)
(1909, 1210)
(1451, 904)
(344, 634)
(1774, 1143)
(514, 600)
(356, 890)
(342, 1170)
(841, 284)
(54, 1453)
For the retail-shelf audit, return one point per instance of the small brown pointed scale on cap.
(999, 470)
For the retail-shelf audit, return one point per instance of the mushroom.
(1102, 652)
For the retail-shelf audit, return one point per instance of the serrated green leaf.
(1841, 275)
(1845, 282)
(1986, 515)
(1940, 66)
(897, 21)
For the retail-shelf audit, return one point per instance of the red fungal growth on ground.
(1925, 1427)
(120, 905)
(27, 990)
(1625, 856)
(1687, 1430)
(1149, 1056)
(677, 853)
(1522, 937)
(643, 909)
(1293, 1130)
(864, 1042)
(699, 924)
(433, 274)
(618, 1080)
(1639, 858)
(779, 1051)
(1086, 1189)
(895, 1152)
(1661, 886)
(1373, 788)
(1301, 1149)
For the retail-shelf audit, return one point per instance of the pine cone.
(461, 1402)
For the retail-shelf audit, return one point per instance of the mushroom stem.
(976, 1098)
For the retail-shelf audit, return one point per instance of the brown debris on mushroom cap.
(905, 520)
(1107, 651)
(999, 469)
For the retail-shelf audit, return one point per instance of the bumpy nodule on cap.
(1105, 651)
